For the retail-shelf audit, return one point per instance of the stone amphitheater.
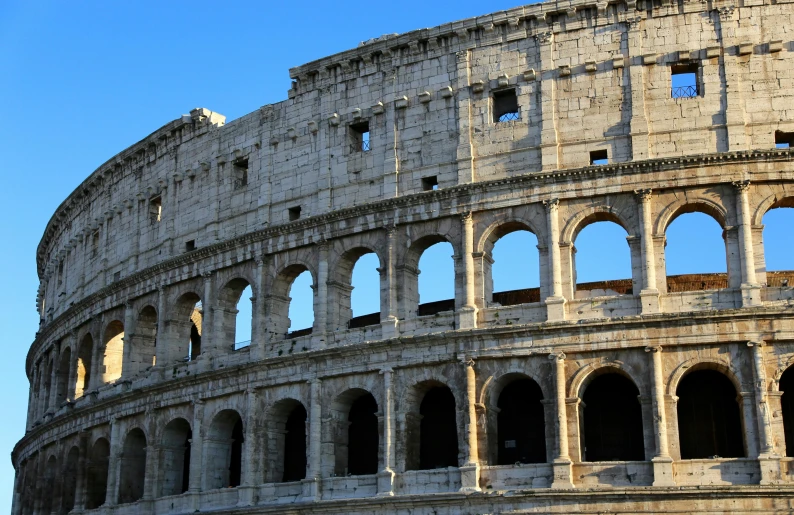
(653, 394)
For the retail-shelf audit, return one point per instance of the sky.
(81, 81)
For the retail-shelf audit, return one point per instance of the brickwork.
(490, 402)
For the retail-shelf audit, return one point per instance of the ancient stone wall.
(545, 118)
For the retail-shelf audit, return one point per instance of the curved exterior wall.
(200, 209)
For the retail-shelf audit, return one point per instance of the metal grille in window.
(685, 92)
(509, 117)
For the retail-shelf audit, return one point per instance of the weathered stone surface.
(120, 422)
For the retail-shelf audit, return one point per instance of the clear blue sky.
(84, 80)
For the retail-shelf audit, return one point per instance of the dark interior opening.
(520, 424)
(429, 183)
(359, 137)
(362, 442)
(195, 342)
(784, 139)
(236, 459)
(438, 431)
(240, 173)
(294, 213)
(684, 80)
(186, 463)
(599, 157)
(295, 445)
(709, 422)
(612, 420)
(505, 106)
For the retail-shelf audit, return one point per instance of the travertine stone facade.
(576, 399)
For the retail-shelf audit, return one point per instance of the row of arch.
(709, 425)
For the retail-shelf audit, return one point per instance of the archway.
(612, 420)
(430, 289)
(235, 312)
(779, 264)
(175, 457)
(292, 303)
(224, 451)
(69, 490)
(295, 444)
(695, 251)
(97, 474)
(438, 430)
(354, 432)
(786, 385)
(709, 419)
(601, 258)
(113, 343)
(521, 430)
(185, 328)
(511, 266)
(133, 467)
(50, 479)
(363, 305)
(143, 349)
(83, 375)
(65, 363)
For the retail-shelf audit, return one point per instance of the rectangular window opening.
(429, 183)
(684, 79)
(190, 245)
(155, 209)
(784, 139)
(240, 170)
(294, 213)
(505, 106)
(359, 137)
(599, 157)
(95, 244)
(116, 277)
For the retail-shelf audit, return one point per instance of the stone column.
(768, 460)
(81, 481)
(209, 343)
(250, 453)
(321, 302)
(196, 453)
(32, 397)
(161, 349)
(386, 476)
(111, 495)
(649, 296)
(257, 348)
(562, 466)
(470, 471)
(662, 463)
(555, 303)
(635, 73)
(751, 290)
(129, 322)
(311, 485)
(467, 314)
(56, 365)
(389, 318)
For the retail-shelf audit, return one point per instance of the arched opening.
(113, 351)
(97, 474)
(83, 375)
(778, 255)
(70, 480)
(47, 490)
(709, 420)
(786, 385)
(695, 251)
(133, 467)
(355, 433)
(46, 385)
(292, 303)
(521, 430)
(224, 451)
(175, 457)
(612, 420)
(64, 365)
(431, 286)
(144, 345)
(512, 274)
(438, 430)
(361, 307)
(601, 258)
(185, 328)
(236, 313)
(295, 445)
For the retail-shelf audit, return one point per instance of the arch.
(62, 385)
(143, 347)
(585, 375)
(599, 262)
(411, 270)
(776, 245)
(281, 301)
(113, 345)
(709, 416)
(223, 449)
(175, 457)
(590, 216)
(771, 202)
(356, 432)
(185, 328)
(228, 308)
(132, 465)
(520, 421)
(341, 289)
(431, 427)
(69, 476)
(501, 228)
(286, 445)
(46, 385)
(786, 386)
(690, 205)
(696, 251)
(702, 363)
(48, 486)
(611, 418)
(85, 354)
(97, 473)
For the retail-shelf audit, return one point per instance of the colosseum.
(652, 394)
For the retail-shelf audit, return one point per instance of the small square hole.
(599, 157)
(240, 170)
(359, 137)
(294, 213)
(116, 277)
(429, 183)
(684, 80)
(784, 139)
(505, 106)
(190, 245)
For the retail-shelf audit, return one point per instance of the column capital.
(544, 38)
(758, 344)
(390, 228)
(386, 370)
(207, 275)
(467, 362)
(551, 204)
(741, 185)
(643, 195)
(559, 356)
(633, 22)
(653, 348)
(465, 216)
(128, 304)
